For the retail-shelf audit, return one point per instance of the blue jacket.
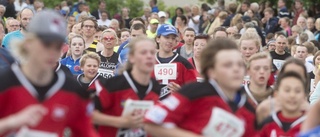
(271, 25)
(73, 65)
(5, 58)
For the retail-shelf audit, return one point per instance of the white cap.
(162, 14)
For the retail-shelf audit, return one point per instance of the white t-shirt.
(106, 22)
(19, 7)
(309, 67)
(191, 24)
(310, 59)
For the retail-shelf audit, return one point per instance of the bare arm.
(313, 119)
(159, 131)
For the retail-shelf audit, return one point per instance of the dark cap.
(49, 26)
(246, 19)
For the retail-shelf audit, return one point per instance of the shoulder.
(71, 85)
(115, 84)
(197, 90)
(156, 86)
(7, 79)
(265, 122)
(184, 62)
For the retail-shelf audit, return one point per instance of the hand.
(29, 116)
(132, 121)
(174, 86)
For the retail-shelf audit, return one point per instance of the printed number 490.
(226, 129)
(165, 71)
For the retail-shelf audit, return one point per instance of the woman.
(271, 105)
(181, 23)
(317, 33)
(135, 83)
(315, 87)
(34, 81)
(89, 64)
(77, 47)
(223, 70)
(194, 19)
(217, 22)
(258, 69)
(200, 42)
(179, 12)
(109, 58)
(249, 44)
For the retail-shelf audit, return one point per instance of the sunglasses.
(109, 38)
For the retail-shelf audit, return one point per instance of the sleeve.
(315, 95)
(189, 74)
(63, 61)
(103, 99)
(169, 112)
(81, 124)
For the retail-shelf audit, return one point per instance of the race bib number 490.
(223, 124)
(165, 71)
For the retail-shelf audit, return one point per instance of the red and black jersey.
(67, 103)
(112, 94)
(279, 126)
(204, 109)
(185, 72)
(87, 85)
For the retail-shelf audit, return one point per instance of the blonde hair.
(236, 19)
(111, 31)
(90, 55)
(317, 24)
(260, 55)
(251, 35)
(217, 22)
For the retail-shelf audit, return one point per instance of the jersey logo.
(164, 91)
(59, 112)
(273, 133)
(76, 68)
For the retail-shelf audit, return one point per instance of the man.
(152, 32)
(89, 28)
(104, 20)
(285, 25)
(298, 5)
(125, 16)
(301, 22)
(232, 9)
(244, 7)
(219, 32)
(153, 5)
(310, 24)
(98, 13)
(162, 17)
(12, 25)
(25, 17)
(283, 11)
(279, 54)
(231, 31)
(114, 24)
(302, 53)
(146, 13)
(269, 21)
(186, 50)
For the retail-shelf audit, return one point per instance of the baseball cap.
(49, 26)
(161, 14)
(246, 18)
(154, 21)
(167, 29)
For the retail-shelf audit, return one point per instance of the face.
(301, 22)
(295, 33)
(248, 48)
(90, 68)
(97, 35)
(88, 29)
(301, 53)
(14, 25)
(108, 40)
(231, 31)
(125, 12)
(102, 6)
(244, 7)
(71, 20)
(179, 21)
(229, 69)
(259, 71)
(272, 47)
(77, 46)
(166, 43)
(104, 16)
(147, 12)
(297, 5)
(281, 44)
(178, 12)
(26, 16)
(283, 23)
(77, 28)
(250, 13)
(143, 57)
(43, 55)
(188, 37)
(267, 15)
(114, 25)
(220, 34)
(154, 27)
(317, 61)
(2, 11)
(310, 23)
(195, 10)
(281, 3)
(136, 33)
(125, 36)
(199, 45)
(295, 68)
(291, 94)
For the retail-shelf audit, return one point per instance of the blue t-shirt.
(155, 9)
(6, 42)
(74, 66)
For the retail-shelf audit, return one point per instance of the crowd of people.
(239, 69)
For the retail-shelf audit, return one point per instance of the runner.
(172, 70)
(222, 110)
(34, 81)
(89, 27)
(291, 91)
(135, 84)
(186, 50)
(200, 43)
(279, 55)
(89, 64)
(77, 47)
(109, 58)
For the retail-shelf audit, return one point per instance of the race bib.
(223, 124)
(136, 107)
(139, 132)
(26, 132)
(106, 73)
(278, 63)
(246, 80)
(200, 79)
(165, 72)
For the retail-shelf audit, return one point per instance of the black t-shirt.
(278, 60)
(142, 90)
(42, 90)
(108, 65)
